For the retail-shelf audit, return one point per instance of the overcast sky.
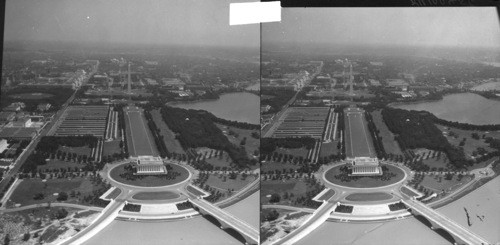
(190, 22)
(454, 27)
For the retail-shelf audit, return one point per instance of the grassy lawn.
(111, 147)
(297, 187)
(172, 144)
(217, 181)
(151, 180)
(438, 183)
(252, 144)
(471, 144)
(272, 166)
(373, 196)
(328, 149)
(162, 195)
(365, 181)
(442, 162)
(225, 161)
(28, 188)
(57, 164)
(294, 152)
(390, 145)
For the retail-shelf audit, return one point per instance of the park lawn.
(217, 181)
(372, 196)
(298, 152)
(252, 144)
(441, 162)
(173, 145)
(471, 144)
(225, 161)
(434, 184)
(58, 164)
(111, 147)
(272, 166)
(82, 150)
(297, 187)
(27, 189)
(328, 149)
(266, 211)
(162, 195)
(390, 145)
(32, 215)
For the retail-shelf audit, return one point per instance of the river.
(481, 202)
(196, 230)
(240, 106)
(463, 107)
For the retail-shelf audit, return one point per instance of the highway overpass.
(319, 216)
(227, 220)
(460, 234)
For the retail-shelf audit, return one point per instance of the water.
(241, 106)
(481, 202)
(402, 232)
(248, 210)
(464, 107)
(197, 230)
(487, 86)
(190, 231)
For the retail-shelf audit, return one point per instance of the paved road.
(29, 149)
(445, 222)
(227, 218)
(107, 216)
(56, 204)
(315, 220)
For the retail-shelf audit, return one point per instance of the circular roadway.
(387, 193)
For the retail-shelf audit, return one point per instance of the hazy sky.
(456, 27)
(191, 22)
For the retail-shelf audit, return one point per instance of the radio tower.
(129, 85)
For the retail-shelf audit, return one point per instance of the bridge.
(319, 216)
(460, 234)
(227, 220)
(106, 216)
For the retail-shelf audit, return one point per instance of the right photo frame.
(380, 126)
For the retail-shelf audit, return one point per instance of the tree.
(26, 236)
(275, 197)
(63, 196)
(6, 240)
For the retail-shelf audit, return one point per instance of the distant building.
(44, 106)
(18, 133)
(3, 145)
(22, 122)
(16, 106)
(398, 84)
(173, 83)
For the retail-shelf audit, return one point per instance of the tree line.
(414, 129)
